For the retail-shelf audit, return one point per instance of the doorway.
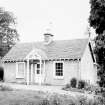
(36, 73)
(1, 73)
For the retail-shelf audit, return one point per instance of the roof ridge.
(53, 40)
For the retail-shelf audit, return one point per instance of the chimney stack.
(48, 37)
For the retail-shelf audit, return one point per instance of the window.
(20, 70)
(38, 69)
(58, 70)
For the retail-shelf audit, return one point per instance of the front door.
(37, 73)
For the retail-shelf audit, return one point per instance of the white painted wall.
(10, 73)
(88, 71)
(70, 71)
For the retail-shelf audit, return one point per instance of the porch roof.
(62, 49)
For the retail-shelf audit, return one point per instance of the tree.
(97, 21)
(8, 32)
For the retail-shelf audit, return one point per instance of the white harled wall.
(70, 71)
(88, 70)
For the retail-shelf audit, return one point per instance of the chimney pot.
(48, 38)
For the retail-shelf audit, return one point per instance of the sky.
(68, 18)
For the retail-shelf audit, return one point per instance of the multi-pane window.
(59, 69)
(38, 69)
(20, 70)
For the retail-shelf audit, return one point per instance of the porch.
(35, 67)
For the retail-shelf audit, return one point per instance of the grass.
(21, 97)
(8, 96)
(17, 97)
(74, 90)
(5, 88)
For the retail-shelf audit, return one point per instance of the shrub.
(99, 100)
(67, 86)
(103, 92)
(57, 99)
(5, 88)
(45, 102)
(82, 100)
(81, 84)
(91, 88)
(73, 82)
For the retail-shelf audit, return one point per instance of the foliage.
(103, 91)
(57, 99)
(34, 98)
(97, 21)
(73, 82)
(99, 100)
(81, 84)
(97, 15)
(45, 102)
(67, 86)
(93, 89)
(5, 88)
(8, 33)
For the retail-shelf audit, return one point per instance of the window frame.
(17, 72)
(54, 70)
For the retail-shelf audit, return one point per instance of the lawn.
(21, 97)
(17, 97)
(28, 97)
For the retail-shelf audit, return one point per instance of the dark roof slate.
(61, 49)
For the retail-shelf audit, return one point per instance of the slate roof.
(61, 49)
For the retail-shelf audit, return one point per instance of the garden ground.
(28, 97)
(20, 97)
(34, 94)
(45, 88)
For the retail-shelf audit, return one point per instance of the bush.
(73, 82)
(67, 86)
(57, 99)
(81, 84)
(102, 91)
(91, 88)
(45, 102)
(5, 88)
(99, 101)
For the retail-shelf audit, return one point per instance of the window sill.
(59, 78)
(18, 77)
